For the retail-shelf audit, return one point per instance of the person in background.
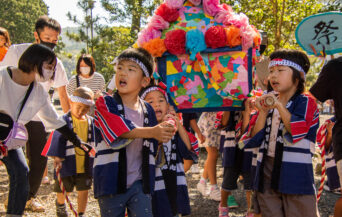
(328, 86)
(87, 76)
(47, 31)
(5, 42)
(16, 85)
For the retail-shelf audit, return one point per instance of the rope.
(323, 174)
(64, 191)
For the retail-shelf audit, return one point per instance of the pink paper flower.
(223, 14)
(211, 7)
(238, 20)
(174, 4)
(148, 34)
(157, 22)
(247, 34)
(195, 2)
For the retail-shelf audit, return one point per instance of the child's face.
(2, 40)
(129, 77)
(78, 110)
(281, 78)
(158, 102)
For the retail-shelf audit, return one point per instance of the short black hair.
(142, 55)
(34, 57)
(298, 57)
(45, 21)
(89, 60)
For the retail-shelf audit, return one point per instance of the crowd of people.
(144, 148)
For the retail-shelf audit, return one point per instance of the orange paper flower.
(233, 36)
(155, 47)
(256, 37)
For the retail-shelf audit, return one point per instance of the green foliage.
(19, 17)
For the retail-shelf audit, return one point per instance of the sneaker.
(194, 168)
(326, 187)
(202, 187)
(34, 205)
(46, 180)
(231, 202)
(61, 210)
(223, 211)
(215, 194)
(337, 191)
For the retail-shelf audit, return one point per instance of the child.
(76, 165)
(284, 131)
(235, 161)
(5, 42)
(126, 133)
(212, 142)
(171, 193)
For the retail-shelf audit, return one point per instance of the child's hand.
(267, 102)
(163, 132)
(201, 138)
(98, 94)
(57, 162)
(174, 117)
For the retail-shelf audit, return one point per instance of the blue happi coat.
(296, 173)
(160, 201)
(109, 125)
(62, 148)
(229, 144)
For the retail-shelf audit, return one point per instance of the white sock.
(212, 187)
(203, 180)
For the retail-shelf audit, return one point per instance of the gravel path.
(200, 207)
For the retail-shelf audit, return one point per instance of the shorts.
(339, 170)
(230, 176)
(82, 182)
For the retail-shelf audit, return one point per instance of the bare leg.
(211, 164)
(187, 165)
(224, 198)
(249, 200)
(60, 198)
(82, 199)
(338, 208)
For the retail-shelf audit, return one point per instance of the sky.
(59, 8)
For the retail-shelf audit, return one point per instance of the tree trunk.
(136, 18)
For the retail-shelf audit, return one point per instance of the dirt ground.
(200, 207)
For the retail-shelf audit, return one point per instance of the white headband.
(284, 62)
(81, 100)
(154, 88)
(142, 65)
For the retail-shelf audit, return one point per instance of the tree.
(133, 12)
(87, 26)
(279, 18)
(19, 17)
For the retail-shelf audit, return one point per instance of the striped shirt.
(95, 82)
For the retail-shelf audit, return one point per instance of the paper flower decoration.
(215, 37)
(256, 37)
(168, 14)
(223, 14)
(247, 34)
(211, 7)
(157, 22)
(174, 4)
(155, 47)
(195, 2)
(147, 35)
(233, 36)
(238, 20)
(175, 41)
(195, 42)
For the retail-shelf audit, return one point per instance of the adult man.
(47, 31)
(328, 86)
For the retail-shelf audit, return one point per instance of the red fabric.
(47, 145)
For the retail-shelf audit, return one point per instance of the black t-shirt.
(329, 86)
(187, 117)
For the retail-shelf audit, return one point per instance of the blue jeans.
(17, 170)
(137, 203)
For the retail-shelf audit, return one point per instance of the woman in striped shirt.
(87, 77)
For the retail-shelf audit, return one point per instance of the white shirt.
(12, 58)
(112, 84)
(38, 103)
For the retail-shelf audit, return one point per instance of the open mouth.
(122, 83)
(275, 83)
(158, 112)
